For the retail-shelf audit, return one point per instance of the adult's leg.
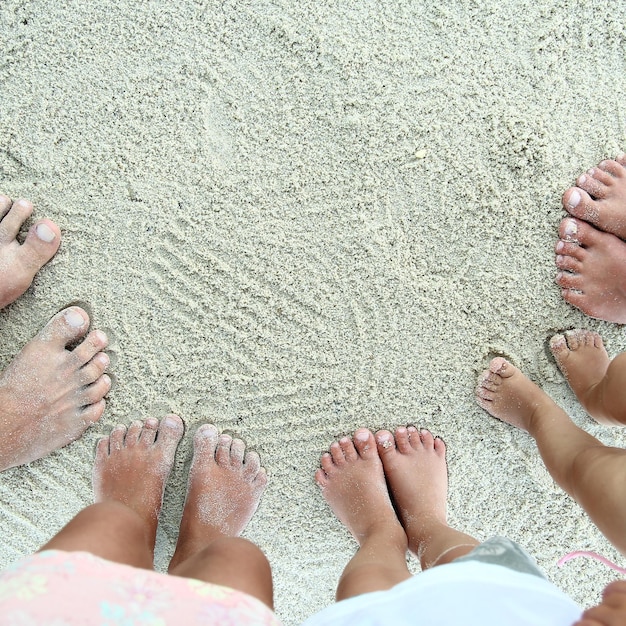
(225, 486)
(415, 467)
(131, 468)
(20, 262)
(50, 394)
(353, 483)
(592, 473)
(598, 382)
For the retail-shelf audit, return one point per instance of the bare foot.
(353, 483)
(20, 262)
(49, 395)
(592, 275)
(225, 486)
(414, 463)
(599, 197)
(611, 611)
(132, 466)
(504, 392)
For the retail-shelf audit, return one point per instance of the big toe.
(65, 327)
(578, 202)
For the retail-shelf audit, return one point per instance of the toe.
(612, 167)
(132, 434)
(170, 432)
(440, 446)
(327, 463)
(205, 440)
(41, 244)
(500, 366)
(483, 393)
(93, 412)
(90, 372)
(568, 248)
(320, 478)
(385, 442)
(592, 185)
(337, 453)
(260, 480)
(402, 439)
(222, 453)
(414, 437)
(577, 202)
(567, 280)
(65, 327)
(252, 463)
(365, 443)
(558, 346)
(237, 452)
(5, 205)
(568, 229)
(349, 451)
(577, 299)
(94, 342)
(427, 439)
(573, 339)
(601, 176)
(96, 391)
(11, 223)
(102, 449)
(568, 263)
(116, 438)
(148, 432)
(621, 158)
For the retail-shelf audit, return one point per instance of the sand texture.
(296, 218)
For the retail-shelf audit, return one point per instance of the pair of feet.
(591, 251)
(49, 394)
(394, 485)
(225, 484)
(506, 393)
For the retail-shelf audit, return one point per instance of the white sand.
(244, 209)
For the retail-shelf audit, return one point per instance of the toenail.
(45, 233)
(170, 421)
(74, 318)
(100, 337)
(22, 204)
(591, 171)
(574, 199)
(571, 228)
(559, 246)
(581, 179)
(361, 435)
(103, 359)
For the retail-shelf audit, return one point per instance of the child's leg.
(592, 473)
(415, 468)
(353, 484)
(225, 486)
(598, 382)
(129, 477)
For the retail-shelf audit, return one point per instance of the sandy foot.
(132, 466)
(353, 483)
(504, 392)
(49, 395)
(591, 252)
(20, 262)
(415, 466)
(224, 490)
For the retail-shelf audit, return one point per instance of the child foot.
(599, 197)
(224, 490)
(415, 467)
(592, 273)
(353, 483)
(49, 395)
(20, 262)
(504, 392)
(132, 466)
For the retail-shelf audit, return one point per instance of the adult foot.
(504, 392)
(132, 466)
(592, 273)
(414, 464)
(225, 486)
(599, 196)
(20, 262)
(353, 483)
(50, 394)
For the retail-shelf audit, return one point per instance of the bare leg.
(224, 490)
(49, 395)
(416, 471)
(592, 473)
(598, 382)
(131, 468)
(591, 251)
(353, 484)
(20, 262)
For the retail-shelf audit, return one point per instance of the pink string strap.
(590, 555)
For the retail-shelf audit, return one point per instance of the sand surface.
(299, 217)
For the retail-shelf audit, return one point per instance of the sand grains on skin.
(50, 394)
(133, 464)
(20, 262)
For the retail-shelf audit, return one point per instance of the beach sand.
(297, 218)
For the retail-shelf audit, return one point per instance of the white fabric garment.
(458, 594)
